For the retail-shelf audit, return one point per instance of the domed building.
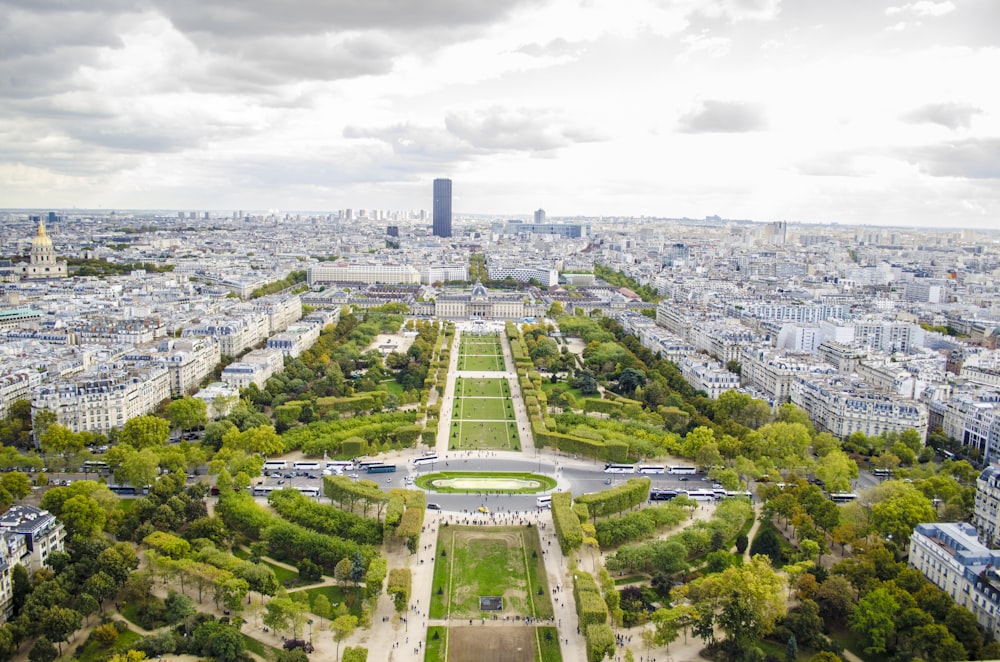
(42, 261)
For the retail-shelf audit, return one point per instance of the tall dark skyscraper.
(442, 207)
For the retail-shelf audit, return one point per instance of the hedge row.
(616, 499)
(592, 612)
(637, 525)
(566, 523)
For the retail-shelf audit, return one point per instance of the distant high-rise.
(442, 207)
(539, 216)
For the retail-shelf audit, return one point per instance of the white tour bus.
(340, 465)
(309, 490)
(310, 465)
(651, 469)
(677, 469)
(619, 468)
(843, 497)
(275, 465)
(544, 501)
(426, 459)
(701, 495)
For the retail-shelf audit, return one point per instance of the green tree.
(43, 651)
(342, 628)
(145, 432)
(58, 440)
(874, 619)
(187, 413)
(60, 622)
(836, 469)
(83, 516)
(18, 484)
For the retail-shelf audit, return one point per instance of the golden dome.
(41, 239)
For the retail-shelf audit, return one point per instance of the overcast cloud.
(766, 109)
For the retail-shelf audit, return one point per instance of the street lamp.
(310, 624)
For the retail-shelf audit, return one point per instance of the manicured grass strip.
(484, 409)
(437, 644)
(481, 363)
(475, 387)
(470, 435)
(426, 481)
(259, 648)
(548, 644)
(441, 579)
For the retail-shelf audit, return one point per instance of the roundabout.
(481, 481)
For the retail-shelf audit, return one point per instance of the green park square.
(494, 561)
(471, 387)
(468, 435)
(483, 409)
(480, 363)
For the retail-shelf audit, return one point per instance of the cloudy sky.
(846, 111)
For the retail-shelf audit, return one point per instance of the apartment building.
(709, 376)
(103, 398)
(28, 535)
(256, 367)
(342, 272)
(950, 555)
(843, 406)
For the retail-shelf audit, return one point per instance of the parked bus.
(426, 459)
(678, 469)
(340, 465)
(93, 466)
(364, 464)
(843, 497)
(701, 495)
(544, 501)
(308, 466)
(882, 473)
(127, 490)
(651, 469)
(380, 468)
(619, 468)
(310, 491)
(730, 494)
(662, 495)
(275, 465)
(263, 490)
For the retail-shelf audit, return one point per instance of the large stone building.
(104, 398)
(28, 535)
(479, 303)
(954, 560)
(843, 406)
(42, 262)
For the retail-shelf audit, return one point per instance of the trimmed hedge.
(616, 499)
(566, 523)
(600, 642)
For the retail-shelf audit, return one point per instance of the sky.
(846, 111)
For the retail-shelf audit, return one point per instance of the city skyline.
(858, 113)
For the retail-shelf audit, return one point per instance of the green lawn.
(484, 434)
(548, 644)
(494, 561)
(495, 387)
(93, 651)
(391, 386)
(437, 644)
(480, 363)
(483, 409)
(426, 482)
(547, 387)
(259, 647)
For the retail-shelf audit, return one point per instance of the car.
(352, 475)
(484, 509)
(288, 476)
(685, 479)
(433, 506)
(275, 475)
(717, 486)
(281, 482)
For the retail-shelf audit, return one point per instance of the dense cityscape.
(753, 440)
